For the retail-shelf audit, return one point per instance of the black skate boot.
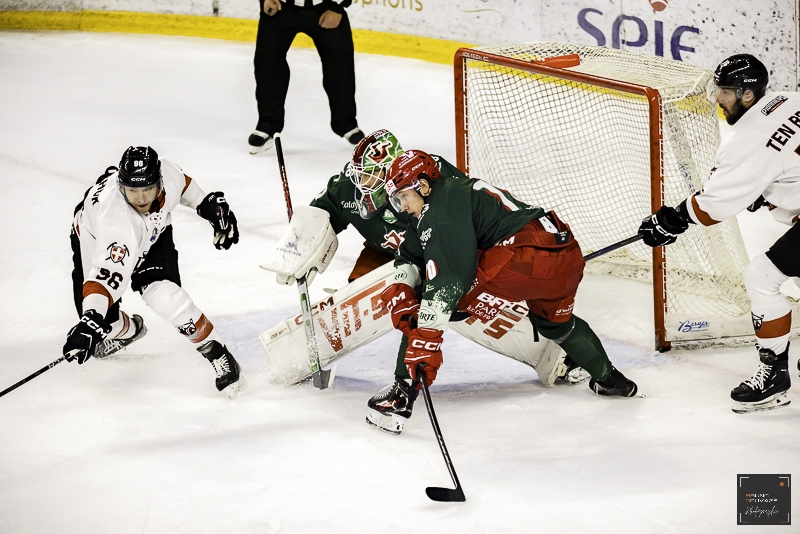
(766, 389)
(572, 373)
(614, 385)
(112, 346)
(389, 411)
(225, 365)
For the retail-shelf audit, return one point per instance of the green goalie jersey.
(384, 232)
(461, 216)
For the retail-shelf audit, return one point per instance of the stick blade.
(445, 494)
(322, 379)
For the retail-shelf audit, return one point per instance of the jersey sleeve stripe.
(699, 215)
(188, 183)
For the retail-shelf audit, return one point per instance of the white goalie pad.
(308, 245)
(510, 333)
(349, 318)
(353, 316)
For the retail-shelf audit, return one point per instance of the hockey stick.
(321, 378)
(434, 493)
(34, 375)
(615, 246)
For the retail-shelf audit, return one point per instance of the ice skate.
(569, 371)
(260, 142)
(766, 389)
(389, 411)
(112, 346)
(228, 377)
(614, 385)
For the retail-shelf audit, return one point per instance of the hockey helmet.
(739, 73)
(139, 167)
(367, 169)
(406, 172)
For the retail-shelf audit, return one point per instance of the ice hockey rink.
(143, 443)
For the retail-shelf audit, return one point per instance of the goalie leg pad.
(346, 320)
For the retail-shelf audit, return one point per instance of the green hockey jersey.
(384, 232)
(461, 216)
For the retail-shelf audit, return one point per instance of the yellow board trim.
(366, 41)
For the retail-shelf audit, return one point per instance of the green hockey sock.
(400, 370)
(578, 340)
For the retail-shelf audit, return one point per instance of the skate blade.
(391, 424)
(779, 400)
(577, 376)
(259, 149)
(233, 390)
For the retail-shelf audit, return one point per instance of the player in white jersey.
(122, 236)
(759, 166)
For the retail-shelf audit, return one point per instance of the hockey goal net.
(605, 142)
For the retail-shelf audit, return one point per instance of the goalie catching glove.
(663, 227)
(218, 213)
(85, 336)
(424, 347)
(402, 303)
(306, 249)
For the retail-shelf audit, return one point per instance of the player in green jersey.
(475, 248)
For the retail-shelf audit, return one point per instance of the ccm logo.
(399, 298)
(425, 345)
(491, 300)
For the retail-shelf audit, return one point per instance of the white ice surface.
(144, 443)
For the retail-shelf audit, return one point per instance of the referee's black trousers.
(335, 48)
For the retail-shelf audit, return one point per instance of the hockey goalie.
(355, 315)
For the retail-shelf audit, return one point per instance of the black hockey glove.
(216, 211)
(84, 337)
(663, 227)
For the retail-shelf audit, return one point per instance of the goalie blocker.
(353, 316)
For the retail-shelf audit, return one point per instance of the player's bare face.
(410, 202)
(141, 198)
(731, 106)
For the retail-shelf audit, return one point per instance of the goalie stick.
(34, 375)
(435, 493)
(322, 379)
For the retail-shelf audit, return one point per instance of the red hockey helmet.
(406, 172)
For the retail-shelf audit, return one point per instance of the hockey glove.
(402, 303)
(85, 336)
(424, 347)
(663, 227)
(216, 211)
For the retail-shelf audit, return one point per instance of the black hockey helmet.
(742, 72)
(139, 167)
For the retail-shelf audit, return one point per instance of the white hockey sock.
(173, 304)
(122, 327)
(771, 312)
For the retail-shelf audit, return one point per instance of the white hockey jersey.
(115, 238)
(762, 157)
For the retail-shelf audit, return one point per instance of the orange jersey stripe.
(704, 218)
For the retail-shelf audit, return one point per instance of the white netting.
(584, 151)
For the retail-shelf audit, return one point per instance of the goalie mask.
(367, 170)
(406, 172)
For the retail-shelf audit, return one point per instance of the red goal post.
(583, 129)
